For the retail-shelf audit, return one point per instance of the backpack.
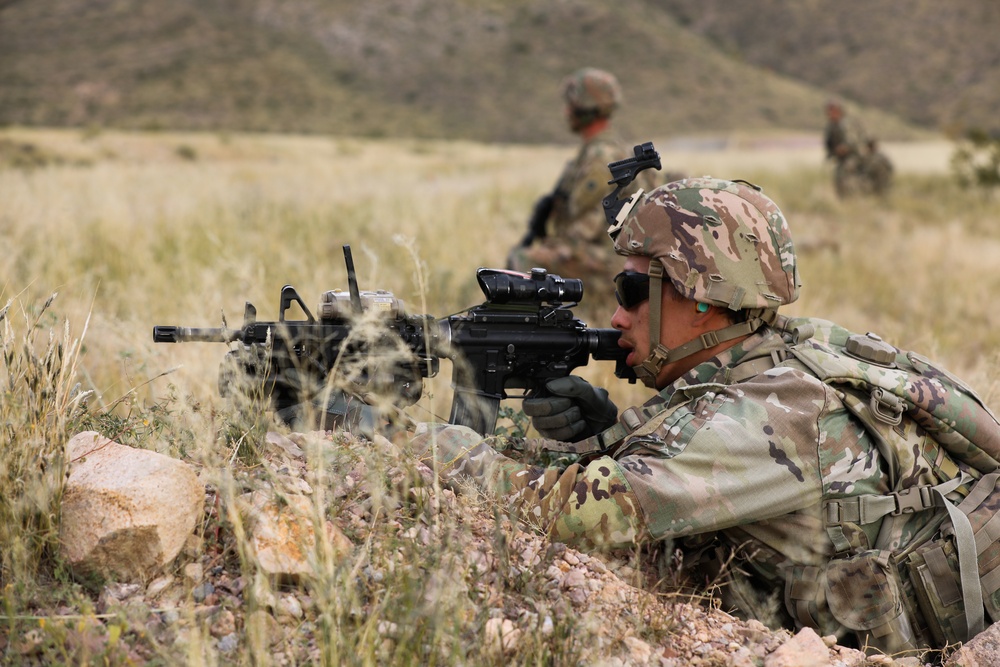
(928, 552)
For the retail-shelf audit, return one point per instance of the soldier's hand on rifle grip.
(572, 410)
(341, 413)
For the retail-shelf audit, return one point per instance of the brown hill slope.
(476, 69)
(933, 63)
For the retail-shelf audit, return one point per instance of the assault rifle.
(523, 335)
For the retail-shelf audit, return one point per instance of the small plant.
(515, 423)
(976, 160)
(186, 153)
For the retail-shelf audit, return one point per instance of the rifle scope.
(536, 288)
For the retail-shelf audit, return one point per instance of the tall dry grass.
(183, 229)
(39, 398)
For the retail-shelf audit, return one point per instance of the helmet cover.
(594, 90)
(720, 242)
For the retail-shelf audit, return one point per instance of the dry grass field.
(135, 230)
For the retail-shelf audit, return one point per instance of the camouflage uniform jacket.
(743, 457)
(846, 133)
(577, 213)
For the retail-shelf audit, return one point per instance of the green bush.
(976, 160)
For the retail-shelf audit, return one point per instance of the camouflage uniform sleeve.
(734, 455)
(590, 505)
(727, 456)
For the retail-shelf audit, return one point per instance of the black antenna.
(352, 280)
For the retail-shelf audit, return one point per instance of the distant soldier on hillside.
(567, 231)
(844, 141)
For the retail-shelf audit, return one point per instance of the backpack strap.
(968, 567)
(987, 534)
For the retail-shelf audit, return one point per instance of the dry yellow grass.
(138, 230)
(181, 228)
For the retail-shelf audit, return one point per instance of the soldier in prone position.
(878, 168)
(821, 497)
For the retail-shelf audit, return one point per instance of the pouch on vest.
(934, 575)
(934, 570)
(864, 593)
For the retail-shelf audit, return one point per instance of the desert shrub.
(976, 160)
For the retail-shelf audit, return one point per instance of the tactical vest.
(928, 552)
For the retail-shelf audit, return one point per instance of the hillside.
(470, 69)
(933, 63)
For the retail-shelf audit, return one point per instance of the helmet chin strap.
(660, 355)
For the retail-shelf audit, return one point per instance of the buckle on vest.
(886, 406)
(833, 516)
(908, 502)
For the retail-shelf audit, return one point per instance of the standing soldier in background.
(844, 140)
(567, 231)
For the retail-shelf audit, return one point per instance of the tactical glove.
(571, 409)
(342, 412)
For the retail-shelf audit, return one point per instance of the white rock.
(125, 512)
(289, 605)
(159, 585)
(639, 651)
(194, 573)
(502, 636)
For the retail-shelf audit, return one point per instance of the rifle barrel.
(604, 345)
(173, 334)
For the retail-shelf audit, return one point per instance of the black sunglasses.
(631, 288)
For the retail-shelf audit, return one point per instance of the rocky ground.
(234, 599)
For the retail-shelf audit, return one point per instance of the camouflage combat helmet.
(723, 243)
(594, 91)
